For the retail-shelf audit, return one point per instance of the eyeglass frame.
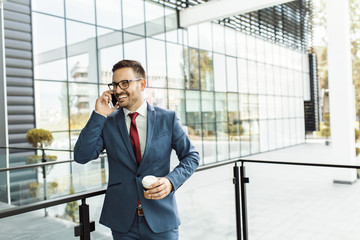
(117, 84)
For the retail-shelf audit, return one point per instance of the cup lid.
(148, 180)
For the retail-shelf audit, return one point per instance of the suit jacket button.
(138, 175)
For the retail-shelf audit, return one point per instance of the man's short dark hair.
(134, 65)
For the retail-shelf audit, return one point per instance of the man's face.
(132, 97)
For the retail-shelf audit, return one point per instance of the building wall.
(236, 94)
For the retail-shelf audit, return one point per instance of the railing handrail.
(34, 149)
(34, 165)
(78, 196)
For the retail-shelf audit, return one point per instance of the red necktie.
(134, 137)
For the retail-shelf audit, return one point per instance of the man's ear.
(143, 84)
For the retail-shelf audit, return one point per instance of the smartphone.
(113, 100)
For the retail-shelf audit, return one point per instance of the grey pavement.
(284, 202)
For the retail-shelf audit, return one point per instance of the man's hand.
(160, 189)
(102, 104)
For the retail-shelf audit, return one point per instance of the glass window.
(286, 105)
(276, 55)
(279, 133)
(205, 40)
(108, 13)
(218, 38)
(172, 33)
(55, 7)
(221, 107)
(255, 142)
(284, 82)
(263, 131)
(134, 48)
(234, 139)
(80, 10)
(209, 142)
(269, 79)
(82, 102)
(231, 74)
(253, 78)
(51, 106)
(271, 106)
(177, 103)
(260, 51)
(261, 76)
(268, 48)
(278, 106)
(230, 36)
(277, 81)
(194, 68)
(110, 51)
(251, 48)
(222, 141)
(157, 97)
(175, 65)
(241, 45)
(82, 63)
(245, 138)
(253, 107)
(192, 32)
(244, 106)
(193, 107)
(207, 107)
(262, 106)
(194, 131)
(272, 134)
(49, 49)
(156, 73)
(206, 71)
(133, 16)
(154, 15)
(233, 107)
(243, 76)
(219, 73)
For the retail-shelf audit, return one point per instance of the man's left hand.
(160, 189)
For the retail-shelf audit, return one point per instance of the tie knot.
(133, 115)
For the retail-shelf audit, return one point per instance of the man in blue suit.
(138, 139)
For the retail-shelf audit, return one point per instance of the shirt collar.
(142, 110)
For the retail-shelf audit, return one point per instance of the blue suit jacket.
(164, 133)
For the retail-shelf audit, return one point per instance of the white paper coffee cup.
(146, 182)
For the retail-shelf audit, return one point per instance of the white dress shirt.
(141, 124)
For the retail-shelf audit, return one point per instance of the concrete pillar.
(341, 90)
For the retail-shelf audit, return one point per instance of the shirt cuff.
(100, 113)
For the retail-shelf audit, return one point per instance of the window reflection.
(133, 16)
(82, 102)
(49, 49)
(221, 107)
(193, 107)
(243, 76)
(206, 70)
(175, 65)
(207, 107)
(231, 74)
(193, 59)
(110, 51)
(177, 103)
(55, 7)
(209, 143)
(263, 133)
(51, 105)
(204, 39)
(222, 141)
(154, 15)
(157, 97)
(195, 135)
(134, 48)
(108, 13)
(156, 73)
(218, 38)
(233, 108)
(172, 33)
(219, 73)
(230, 37)
(80, 10)
(245, 138)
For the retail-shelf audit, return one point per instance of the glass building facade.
(237, 94)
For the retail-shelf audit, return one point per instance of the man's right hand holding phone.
(102, 104)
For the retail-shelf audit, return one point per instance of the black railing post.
(85, 227)
(43, 160)
(236, 181)
(243, 181)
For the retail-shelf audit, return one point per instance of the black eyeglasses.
(124, 84)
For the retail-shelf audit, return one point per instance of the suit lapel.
(151, 117)
(120, 119)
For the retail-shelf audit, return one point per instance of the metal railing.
(240, 180)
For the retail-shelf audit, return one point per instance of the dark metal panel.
(19, 82)
(17, 7)
(21, 45)
(18, 17)
(21, 119)
(19, 26)
(21, 54)
(17, 35)
(20, 91)
(18, 72)
(20, 100)
(20, 63)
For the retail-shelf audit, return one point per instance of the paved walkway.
(284, 203)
